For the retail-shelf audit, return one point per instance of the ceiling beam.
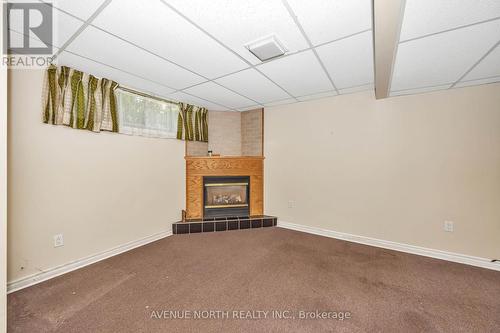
(387, 17)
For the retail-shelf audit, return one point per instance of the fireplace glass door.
(226, 196)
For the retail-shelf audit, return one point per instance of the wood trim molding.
(224, 157)
(262, 132)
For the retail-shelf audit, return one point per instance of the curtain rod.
(133, 91)
(130, 90)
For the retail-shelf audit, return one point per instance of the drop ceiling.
(194, 51)
(445, 44)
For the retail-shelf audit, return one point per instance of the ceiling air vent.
(266, 48)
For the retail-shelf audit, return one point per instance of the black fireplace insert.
(226, 196)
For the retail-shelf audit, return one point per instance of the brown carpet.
(261, 270)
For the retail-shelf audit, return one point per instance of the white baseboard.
(73, 265)
(438, 254)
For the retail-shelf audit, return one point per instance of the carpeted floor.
(270, 269)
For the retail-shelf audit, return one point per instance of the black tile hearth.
(267, 222)
(182, 229)
(208, 226)
(212, 224)
(221, 226)
(233, 225)
(194, 220)
(257, 223)
(194, 228)
(244, 224)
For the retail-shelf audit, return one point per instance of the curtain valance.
(79, 100)
(83, 101)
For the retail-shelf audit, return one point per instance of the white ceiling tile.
(327, 20)
(442, 58)
(185, 98)
(490, 66)
(81, 9)
(250, 108)
(254, 85)
(100, 70)
(16, 24)
(478, 82)
(160, 30)
(220, 95)
(422, 17)
(317, 96)
(281, 102)
(64, 26)
(300, 74)
(236, 23)
(419, 90)
(100, 46)
(17, 40)
(356, 89)
(349, 61)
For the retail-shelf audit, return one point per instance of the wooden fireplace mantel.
(197, 167)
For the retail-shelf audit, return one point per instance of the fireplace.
(197, 168)
(226, 196)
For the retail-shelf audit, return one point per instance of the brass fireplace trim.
(225, 206)
(226, 184)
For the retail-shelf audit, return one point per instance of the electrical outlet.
(291, 203)
(448, 226)
(58, 240)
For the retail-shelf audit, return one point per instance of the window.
(140, 115)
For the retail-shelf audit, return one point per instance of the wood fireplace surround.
(199, 167)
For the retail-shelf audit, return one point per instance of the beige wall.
(391, 169)
(224, 133)
(251, 132)
(196, 148)
(232, 133)
(99, 190)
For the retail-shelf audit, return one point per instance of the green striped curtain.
(91, 102)
(112, 106)
(202, 125)
(79, 100)
(192, 123)
(50, 106)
